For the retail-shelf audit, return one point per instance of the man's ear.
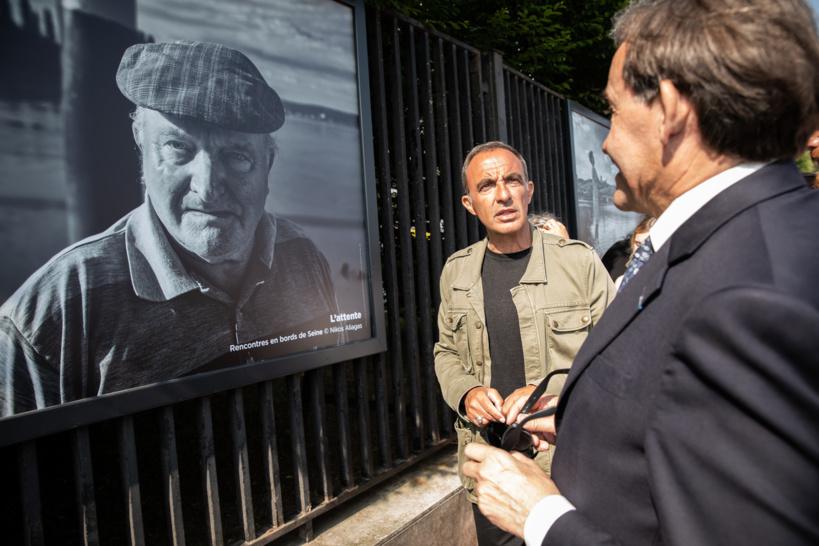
(466, 201)
(676, 110)
(530, 190)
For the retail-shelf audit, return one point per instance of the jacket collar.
(535, 270)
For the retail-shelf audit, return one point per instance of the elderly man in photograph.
(691, 414)
(196, 271)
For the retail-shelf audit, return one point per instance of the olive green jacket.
(562, 294)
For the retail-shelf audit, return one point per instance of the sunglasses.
(513, 437)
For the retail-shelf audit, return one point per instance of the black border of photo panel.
(42, 422)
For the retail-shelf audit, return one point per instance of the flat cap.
(200, 80)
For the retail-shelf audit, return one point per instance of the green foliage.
(805, 163)
(563, 44)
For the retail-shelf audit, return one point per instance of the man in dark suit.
(691, 414)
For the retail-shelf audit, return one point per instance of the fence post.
(496, 107)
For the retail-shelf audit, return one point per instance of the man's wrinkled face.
(633, 142)
(498, 192)
(207, 184)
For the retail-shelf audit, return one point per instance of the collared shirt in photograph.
(119, 310)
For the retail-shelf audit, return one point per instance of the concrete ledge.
(424, 505)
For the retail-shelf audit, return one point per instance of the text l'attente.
(344, 317)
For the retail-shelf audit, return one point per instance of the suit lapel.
(766, 183)
(636, 296)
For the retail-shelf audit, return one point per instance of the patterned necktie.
(643, 254)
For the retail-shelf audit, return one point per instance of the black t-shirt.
(501, 273)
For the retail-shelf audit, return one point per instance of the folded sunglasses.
(513, 437)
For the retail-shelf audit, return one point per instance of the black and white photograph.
(183, 188)
(599, 222)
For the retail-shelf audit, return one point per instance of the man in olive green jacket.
(556, 288)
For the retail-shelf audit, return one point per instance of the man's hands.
(507, 485)
(482, 405)
(514, 402)
(543, 429)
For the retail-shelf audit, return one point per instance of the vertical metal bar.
(553, 159)
(30, 491)
(431, 175)
(130, 481)
(527, 136)
(544, 137)
(315, 382)
(479, 104)
(421, 265)
(525, 147)
(407, 281)
(382, 413)
(299, 453)
(507, 91)
(469, 133)
(241, 464)
(210, 483)
(271, 454)
(457, 146)
(556, 123)
(442, 137)
(517, 109)
(431, 170)
(448, 201)
(343, 412)
(388, 241)
(534, 151)
(521, 107)
(564, 176)
(532, 142)
(363, 397)
(542, 151)
(514, 133)
(170, 476)
(549, 153)
(84, 479)
(497, 94)
(521, 98)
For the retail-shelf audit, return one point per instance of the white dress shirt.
(547, 511)
(684, 206)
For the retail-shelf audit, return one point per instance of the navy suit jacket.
(691, 414)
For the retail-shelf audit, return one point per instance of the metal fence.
(248, 466)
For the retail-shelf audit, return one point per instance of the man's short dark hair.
(488, 147)
(750, 68)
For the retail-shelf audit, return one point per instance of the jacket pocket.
(460, 337)
(566, 329)
(465, 436)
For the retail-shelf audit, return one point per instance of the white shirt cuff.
(542, 516)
